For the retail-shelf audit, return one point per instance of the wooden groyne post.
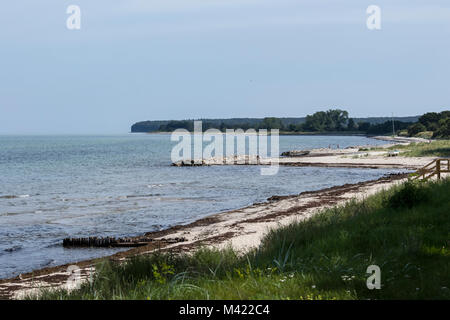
(109, 242)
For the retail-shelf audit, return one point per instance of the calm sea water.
(52, 187)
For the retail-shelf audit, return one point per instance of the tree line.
(436, 125)
(334, 120)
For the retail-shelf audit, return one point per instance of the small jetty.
(111, 242)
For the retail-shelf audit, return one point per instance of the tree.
(271, 123)
(431, 120)
(315, 122)
(445, 114)
(444, 128)
(416, 128)
(336, 119)
(351, 126)
(364, 126)
(331, 120)
(428, 119)
(386, 127)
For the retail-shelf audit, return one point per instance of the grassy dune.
(437, 148)
(405, 231)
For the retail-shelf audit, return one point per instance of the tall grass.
(325, 257)
(437, 148)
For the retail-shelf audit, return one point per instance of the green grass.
(325, 257)
(436, 148)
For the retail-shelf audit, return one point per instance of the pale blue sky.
(138, 60)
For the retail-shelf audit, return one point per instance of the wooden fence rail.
(435, 167)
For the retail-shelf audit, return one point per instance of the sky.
(135, 60)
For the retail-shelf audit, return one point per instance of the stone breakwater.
(231, 160)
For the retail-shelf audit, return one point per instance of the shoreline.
(241, 228)
(399, 139)
(348, 157)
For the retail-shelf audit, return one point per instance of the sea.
(53, 187)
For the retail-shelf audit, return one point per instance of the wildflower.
(347, 278)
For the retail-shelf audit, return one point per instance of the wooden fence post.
(438, 168)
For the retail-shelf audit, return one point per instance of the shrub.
(408, 195)
(425, 134)
(416, 128)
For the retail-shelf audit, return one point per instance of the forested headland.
(429, 125)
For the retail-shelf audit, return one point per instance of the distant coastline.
(289, 133)
(287, 126)
(386, 137)
(331, 122)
